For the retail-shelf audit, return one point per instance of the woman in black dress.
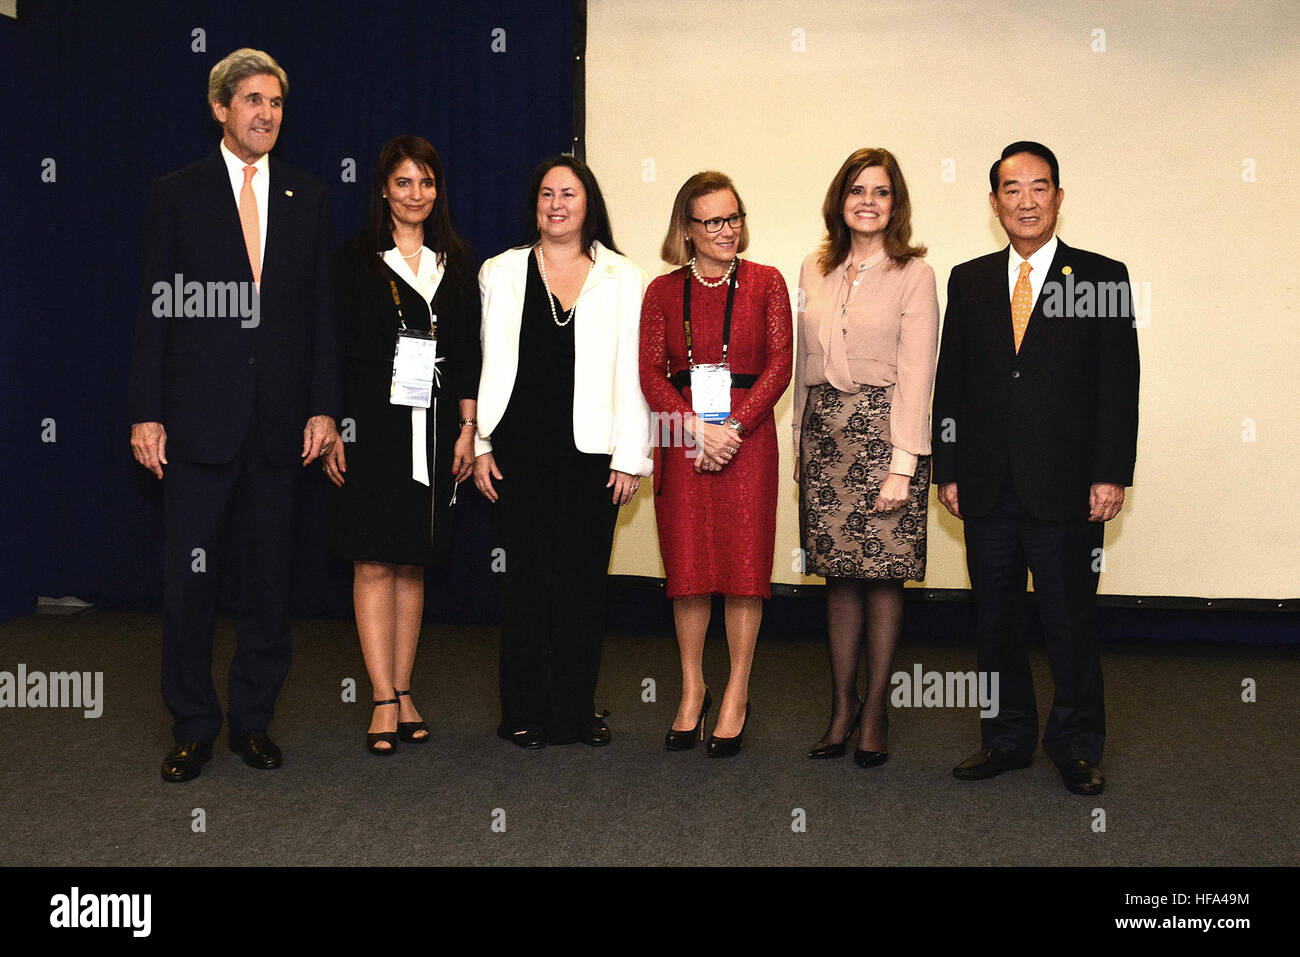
(398, 466)
(564, 439)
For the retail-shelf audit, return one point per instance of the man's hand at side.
(318, 437)
(149, 445)
(1105, 499)
(948, 497)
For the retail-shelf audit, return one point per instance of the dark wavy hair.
(898, 234)
(596, 224)
(439, 235)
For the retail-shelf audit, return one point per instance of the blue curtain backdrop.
(113, 95)
(102, 98)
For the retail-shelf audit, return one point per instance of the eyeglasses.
(735, 221)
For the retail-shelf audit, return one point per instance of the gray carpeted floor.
(1195, 776)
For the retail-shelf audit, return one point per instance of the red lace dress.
(717, 529)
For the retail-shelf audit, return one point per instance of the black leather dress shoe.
(989, 763)
(524, 737)
(595, 733)
(186, 760)
(1082, 777)
(257, 750)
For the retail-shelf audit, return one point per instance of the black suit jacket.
(1059, 415)
(367, 318)
(204, 376)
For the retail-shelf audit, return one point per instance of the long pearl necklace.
(550, 299)
(720, 281)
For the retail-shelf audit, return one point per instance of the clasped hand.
(716, 445)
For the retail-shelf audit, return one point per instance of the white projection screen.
(1175, 128)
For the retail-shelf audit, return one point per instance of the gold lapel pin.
(289, 193)
(1066, 270)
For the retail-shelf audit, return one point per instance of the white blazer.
(610, 415)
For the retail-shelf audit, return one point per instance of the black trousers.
(240, 515)
(1000, 547)
(555, 526)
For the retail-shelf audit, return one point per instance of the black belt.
(739, 380)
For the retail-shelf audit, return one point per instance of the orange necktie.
(1022, 304)
(252, 227)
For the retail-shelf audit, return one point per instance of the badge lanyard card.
(710, 381)
(414, 361)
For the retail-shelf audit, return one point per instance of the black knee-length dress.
(381, 513)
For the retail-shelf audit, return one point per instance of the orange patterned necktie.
(252, 227)
(1022, 304)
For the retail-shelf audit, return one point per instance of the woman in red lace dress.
(716, 476)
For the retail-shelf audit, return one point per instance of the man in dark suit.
(1035, 435)
(233, 353)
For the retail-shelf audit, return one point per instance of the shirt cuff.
(481, 445)
(902, 463)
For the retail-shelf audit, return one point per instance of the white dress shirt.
(426, 283)
(1040, 261)
(261, 189)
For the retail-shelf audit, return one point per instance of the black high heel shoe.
(676, 740)
(728, 747)
(869, 759)
(406, 729)
(837, 750)
(387, 737)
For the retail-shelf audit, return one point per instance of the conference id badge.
(711, 391)
(413, 365)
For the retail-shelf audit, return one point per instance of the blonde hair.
(676, 249)
(238, 66)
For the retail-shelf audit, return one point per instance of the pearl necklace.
(550, 299)
(720, 281)
(418, 247)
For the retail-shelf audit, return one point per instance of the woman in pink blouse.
(866, 348)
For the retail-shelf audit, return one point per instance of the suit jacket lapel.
(601, 279)
(222, 211)
(1036, 318)
(1000, 295)
(279, 213)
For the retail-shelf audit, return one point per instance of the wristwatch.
(465, 422)
(733, 423)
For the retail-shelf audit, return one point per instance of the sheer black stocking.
(884, 625)
(848, 602)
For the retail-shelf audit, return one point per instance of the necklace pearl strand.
(550, 298)
(721, 280)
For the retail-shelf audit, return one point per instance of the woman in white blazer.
(563, 438)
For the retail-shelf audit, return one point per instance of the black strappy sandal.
(387, 737)
(406, 729)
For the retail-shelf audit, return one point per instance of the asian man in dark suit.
(1035, 436)
(234, 385)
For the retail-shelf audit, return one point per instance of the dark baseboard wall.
(947, 615)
